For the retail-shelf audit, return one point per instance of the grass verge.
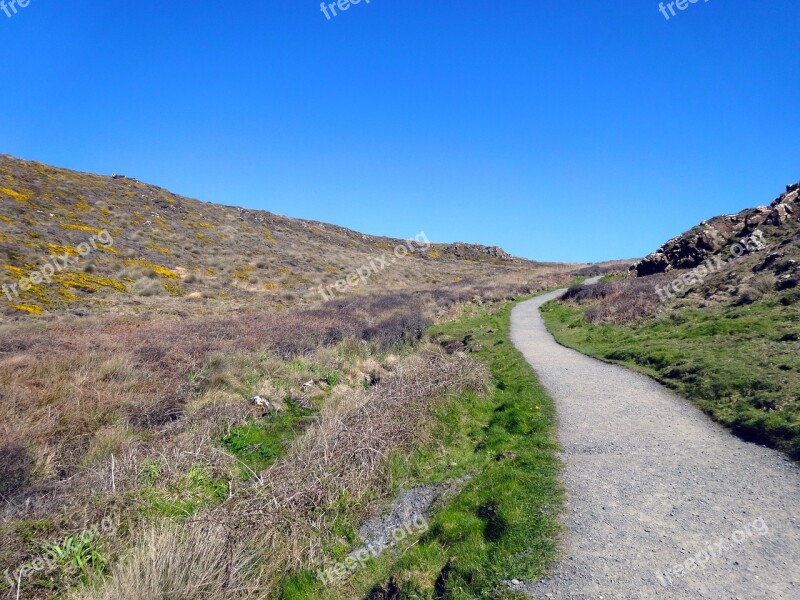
(740, 365)
(503, 524)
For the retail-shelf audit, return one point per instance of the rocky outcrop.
(786, 207)
(696, 245)
(693, 247)
(477, 252)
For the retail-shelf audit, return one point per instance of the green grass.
(179, 500)
(740, 365)
(259, 443)
(79, 556)
(54, 567)
(504, 523)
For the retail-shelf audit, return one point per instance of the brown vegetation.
(620, 301)
(288, 519)
(175, 255)
(120, 378)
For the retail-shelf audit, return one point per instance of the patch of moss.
(195, 490)
(260, 442)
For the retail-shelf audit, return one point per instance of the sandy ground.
(663, 503)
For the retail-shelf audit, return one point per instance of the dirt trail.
(653, 483)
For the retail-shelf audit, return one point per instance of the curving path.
(662, 502)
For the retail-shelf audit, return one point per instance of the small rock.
(259, 401)
(266, 404)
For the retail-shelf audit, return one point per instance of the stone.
(259, 401)
(787, 282)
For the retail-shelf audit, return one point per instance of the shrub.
(149, 287)
(764, 283)
(581, 293)
(147, 415)
(620, 301)
(405, 329)
(748, 296)
(758, 287)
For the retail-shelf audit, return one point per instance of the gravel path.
(663, 503)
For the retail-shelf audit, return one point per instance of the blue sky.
(560, 130)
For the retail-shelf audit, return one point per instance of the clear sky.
(561, 130)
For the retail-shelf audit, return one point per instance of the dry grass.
(64, 383)
(334, 473)
(197, 560)
(98, 402)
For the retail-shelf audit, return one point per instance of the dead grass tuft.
(197, 560)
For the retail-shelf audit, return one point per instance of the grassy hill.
(149, 249)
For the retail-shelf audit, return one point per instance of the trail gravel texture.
(662, 502)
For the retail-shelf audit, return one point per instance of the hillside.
(739, 241)
(714, 314)
(149, 249)
(178, 395)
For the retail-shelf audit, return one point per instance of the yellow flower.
(33, 309)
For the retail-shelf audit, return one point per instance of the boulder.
(787, 282)
(770, 260)
(758, 217)
(780, 214)
(785, 207)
